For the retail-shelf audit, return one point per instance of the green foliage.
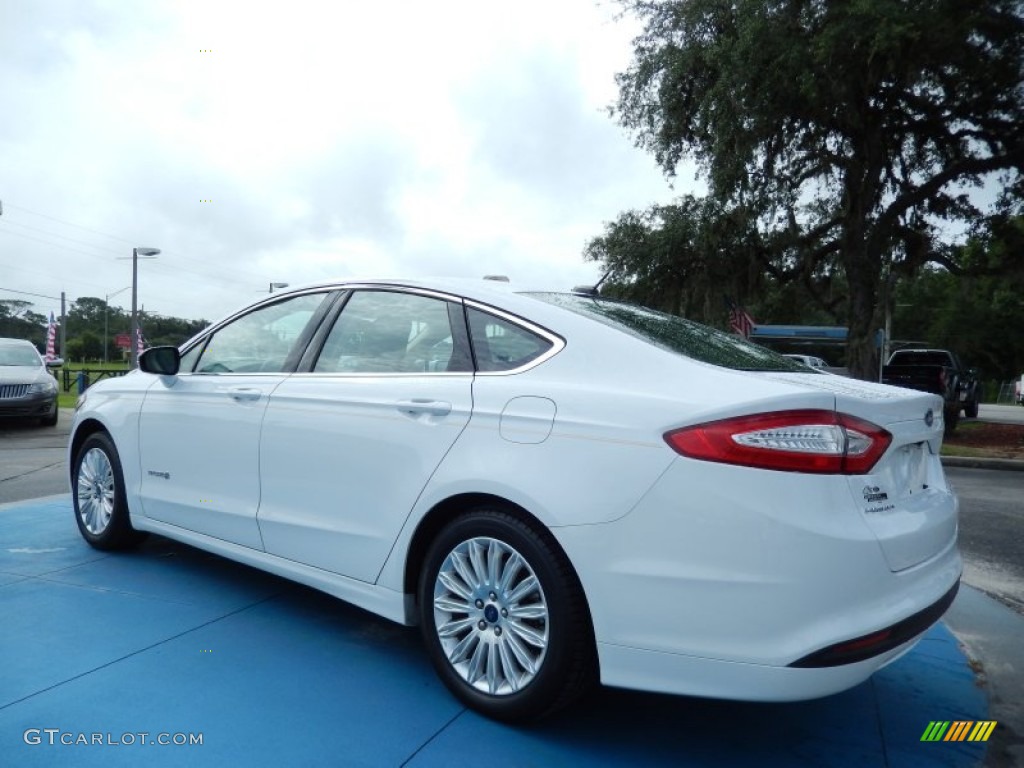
(980, 317)
(85, 347)
(680, 258)
(89, 314)
(848, 130)
(18, 322)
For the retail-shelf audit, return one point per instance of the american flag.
(140, 344)
(740, 320)
(51, 339)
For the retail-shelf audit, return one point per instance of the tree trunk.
(861, 352)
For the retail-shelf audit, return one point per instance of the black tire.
(97, 492)
(565, 667)
(971, 409)
(952, 418)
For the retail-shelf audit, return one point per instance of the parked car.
(939, 371)
(556, 487)
(27, 388)
(809, 360)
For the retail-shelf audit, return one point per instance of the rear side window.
(501, 345)
(676, 334)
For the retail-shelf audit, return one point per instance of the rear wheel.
(101, 510)
(504, 619)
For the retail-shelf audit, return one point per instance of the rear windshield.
(677, 334)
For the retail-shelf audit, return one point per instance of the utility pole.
(63, 327)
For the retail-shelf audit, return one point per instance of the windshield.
(676, 334)
(19, 355)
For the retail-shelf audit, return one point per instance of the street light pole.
(145, 253)
(277, 285)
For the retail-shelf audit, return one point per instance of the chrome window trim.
(377, 375)
(203, 335)
(389, 288)
(399, 288)
(557, 342)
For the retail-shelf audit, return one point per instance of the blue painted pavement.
(173, 643)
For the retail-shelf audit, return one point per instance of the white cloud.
(333, 138)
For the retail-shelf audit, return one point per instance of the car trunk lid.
(904, 499)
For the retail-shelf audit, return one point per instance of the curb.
(972, 462)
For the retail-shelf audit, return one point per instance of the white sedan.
(558, 488)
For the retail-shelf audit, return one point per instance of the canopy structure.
(835, 334)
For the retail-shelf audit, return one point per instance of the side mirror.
(54, 363)
(164, 361)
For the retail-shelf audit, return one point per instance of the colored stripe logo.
(958, 730)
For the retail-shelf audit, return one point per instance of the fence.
(1007, 392)
(92, 375)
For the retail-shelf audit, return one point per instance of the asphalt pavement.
(32, 458)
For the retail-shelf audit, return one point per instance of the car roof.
(508, 296)
(480, 289)
(17, 343)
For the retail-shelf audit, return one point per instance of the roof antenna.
(591, 290)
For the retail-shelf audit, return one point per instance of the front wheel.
(101, 509)
(504, 618)
(952, 418)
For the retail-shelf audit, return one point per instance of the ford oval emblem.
(929, 417)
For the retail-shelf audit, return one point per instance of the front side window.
(391, 332)
(262, 341)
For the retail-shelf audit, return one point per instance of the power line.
(62, 237)
(231, 279)
(54, 245)
(28, 293)
(69, 223)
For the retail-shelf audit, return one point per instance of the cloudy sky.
(255, 142)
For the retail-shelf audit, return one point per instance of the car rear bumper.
(726, 598)
(661, 672)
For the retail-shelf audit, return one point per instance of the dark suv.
(27, 390)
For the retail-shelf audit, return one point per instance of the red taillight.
(823, 442)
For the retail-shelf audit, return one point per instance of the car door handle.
(244, 394)
(418, 406)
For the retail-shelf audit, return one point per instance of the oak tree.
(862, 134)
